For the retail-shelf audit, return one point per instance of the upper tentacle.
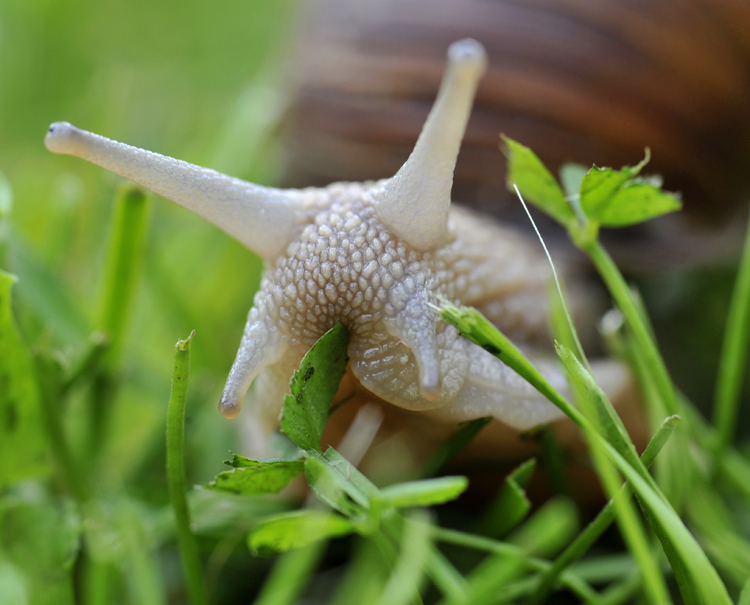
(415, 202)
(262, 218)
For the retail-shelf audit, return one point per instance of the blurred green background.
(198, 81)
(195, 80)
(203, 82)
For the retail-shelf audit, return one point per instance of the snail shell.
(587, 81)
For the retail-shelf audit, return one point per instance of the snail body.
(378, 257)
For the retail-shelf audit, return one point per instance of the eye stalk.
(415, 202)
(262, 218)
(62, 138)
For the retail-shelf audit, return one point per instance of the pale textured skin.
(379, 258)
(346, 266)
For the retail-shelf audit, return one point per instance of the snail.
(376, 256)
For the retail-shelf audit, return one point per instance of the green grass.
(96, 506)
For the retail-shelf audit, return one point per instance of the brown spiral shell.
(588, 81)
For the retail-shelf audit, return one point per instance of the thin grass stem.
(74, 476)
(124, 264)
(122, 273)
(603, 520)
(619, 290)
(189, 555)
(290, 575)
(734, 353)
(445, 576)
(567, 579)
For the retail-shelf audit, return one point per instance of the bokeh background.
(193, 80)
(215, 83)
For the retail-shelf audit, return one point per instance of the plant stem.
(570, 581)
(291, 574)
(622, 592)
(191, 564)
(695, 574)
(453, 446)
(124, 263)
(631, 528)
(445, 576)
(618, 287)
(122, 273)
(73, 474)
(603, 520)
(734, 353)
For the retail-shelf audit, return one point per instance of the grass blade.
(696, 576)
(511, 505)
(570, 581)
(619, 290)
(124, 264)
(22, 445)
(290, 575)
(603, 520)
(403, 585)
(453, 446)
(191, 564)
(734, 353)
(600, 413)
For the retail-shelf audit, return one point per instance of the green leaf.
(296, 529)
(637, 202)
(535, 182)
(511, 505)
(550, 528)
(333, 489)
(41, 541)
(348, 471)
(597, 188)
(238, 461)
(427, 492)
(338, 483)
(599, 185)
(257, 476)
(745, 595)
(603, 412)
(571, 176)
(313, 388)
(22, 440)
